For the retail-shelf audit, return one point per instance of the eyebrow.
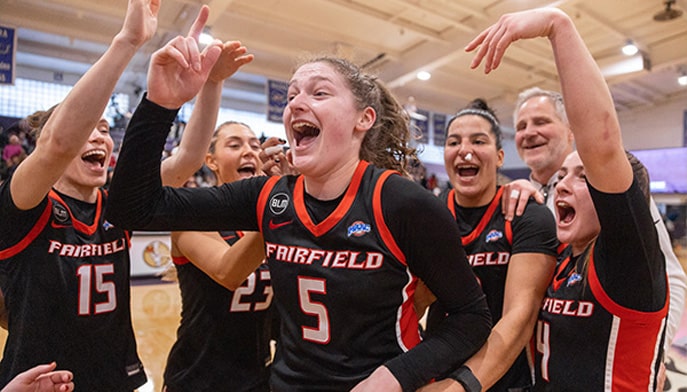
(316, 78)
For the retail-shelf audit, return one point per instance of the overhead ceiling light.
(424, 75)
(205, 37)
(620, 65)
(682, 79)
(630, 49)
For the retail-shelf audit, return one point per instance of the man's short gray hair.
(554, 97)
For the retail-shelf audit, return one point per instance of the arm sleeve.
(138, 201)
(631, 268)
(15, 224)
(535, 231)
(429, 238)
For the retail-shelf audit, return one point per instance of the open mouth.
(96, 157)
(566, 213)
(467, 170)
(304, 130)
(247, 170)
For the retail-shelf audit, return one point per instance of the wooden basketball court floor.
(156, 312)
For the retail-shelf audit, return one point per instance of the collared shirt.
(547, 190)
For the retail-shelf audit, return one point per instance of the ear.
(210, 162)
(501, 155)
(366, 120)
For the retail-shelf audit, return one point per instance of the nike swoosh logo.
(274, 226)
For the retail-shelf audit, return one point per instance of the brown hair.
(640, 173)
(479, 107)
(213, 140)
(38, 119)
(386, 144)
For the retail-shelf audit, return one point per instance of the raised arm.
(72, 122)
(198, 132)
(179, 70)
(589, 104)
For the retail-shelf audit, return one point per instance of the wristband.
(467, 379)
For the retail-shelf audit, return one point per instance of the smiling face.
(473, 179)
(576, 216)
(234, 153)
(88, 170)
(323, 123)
(542, 138)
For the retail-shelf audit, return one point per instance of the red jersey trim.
(262, 199)
(77, 224)
(31, 236)
(451, 202)
(384, 232)
(334, 218)
(485, 219)
(408, 320)
(612, 306)
(180, 260)
(556, 283)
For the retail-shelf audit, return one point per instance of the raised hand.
(494, 41)
(232, 58)
(140, 22)
(179, 69)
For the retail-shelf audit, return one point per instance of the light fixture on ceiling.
(682, 77)
(668, 13)
(205, 37)
(630, 49)
(621, 65)
(423, 75)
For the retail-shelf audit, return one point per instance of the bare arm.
(528, 277)
(227, 265)
(197, 135)
(75, 118)
(589, 104)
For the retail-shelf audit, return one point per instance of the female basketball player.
(345, 241)
(223, 342)
(513, 260)
(601, 323)
(66, 269)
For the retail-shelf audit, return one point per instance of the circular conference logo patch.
(156, 254)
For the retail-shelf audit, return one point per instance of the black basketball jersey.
(66, 286)
(335, 333)
(488, 241)
(587, 341)
(223, 340)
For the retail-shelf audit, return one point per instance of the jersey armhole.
(30, 236)
(384, 232)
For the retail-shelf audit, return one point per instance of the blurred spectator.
(13, 149)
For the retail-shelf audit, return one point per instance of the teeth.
(98, 153)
